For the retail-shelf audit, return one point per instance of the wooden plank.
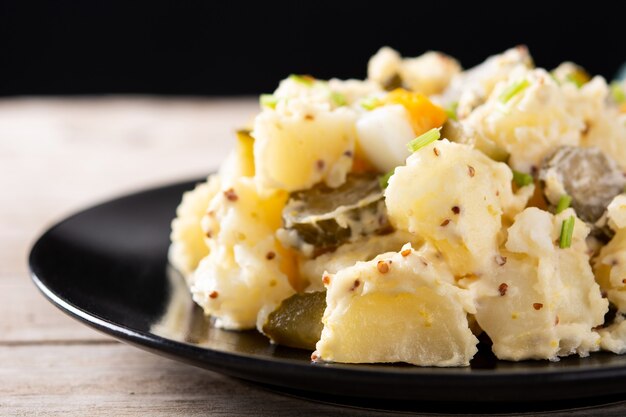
(26, 317)
(118, 380)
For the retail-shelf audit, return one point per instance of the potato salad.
(405, 217)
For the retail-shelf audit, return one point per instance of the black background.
(219, 48)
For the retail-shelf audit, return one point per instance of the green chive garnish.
(303, 79)
(268, 100)
(338, 98)
(513, 89)
(567, 230)
(618, 92)
(370, 103)
(522, 179)
(451, 111)
(423, 140)
(564, 203)
(383, 180)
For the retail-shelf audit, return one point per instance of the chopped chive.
(302, 79)
(268, 100)
(567, 230)
(451, 111)
(383, 180)
(423, 140)
(522, 179)
(564, 203)
(513, 89)
(371, 103)
(338, 98)
(618, 92)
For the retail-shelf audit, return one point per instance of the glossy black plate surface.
(107, 267)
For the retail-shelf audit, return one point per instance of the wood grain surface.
(60, 155)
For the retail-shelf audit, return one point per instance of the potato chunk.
(398, 307)
(542, 302)
(188, 240)
(454, 197)
(528, 116)
(305, 139)
(610, 270)
(246, 268)
(429, 73)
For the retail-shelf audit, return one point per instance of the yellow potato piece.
(412, 328)
(296, 151)
(398, 307)
(245, 153)
(188, 238)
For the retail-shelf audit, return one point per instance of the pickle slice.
(297, 322)
(245, 152)
(587, 175)
(393, 82)
(324, 218)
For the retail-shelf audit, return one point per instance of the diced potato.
(527, 115)
(245, 152)
(293, 151)
(616, 212)
(384, 66)
(542, 302)
(309, 135)
(429, 73)
(469, 89)
(607, 131)
(454, 197)
(613, 337)
(188, 240)
(610, 269)
(408, 301)
(245, 268)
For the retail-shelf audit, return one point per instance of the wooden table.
(60, 155)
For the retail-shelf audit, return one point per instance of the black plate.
(107, 267)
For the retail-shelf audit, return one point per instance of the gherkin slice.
(587, 175)
(393, 82)
(322, 218)
(297, 322)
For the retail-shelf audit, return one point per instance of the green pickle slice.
(589, 177)
(297, 322)
(325, 218)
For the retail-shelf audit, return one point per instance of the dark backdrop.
(237, 47)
